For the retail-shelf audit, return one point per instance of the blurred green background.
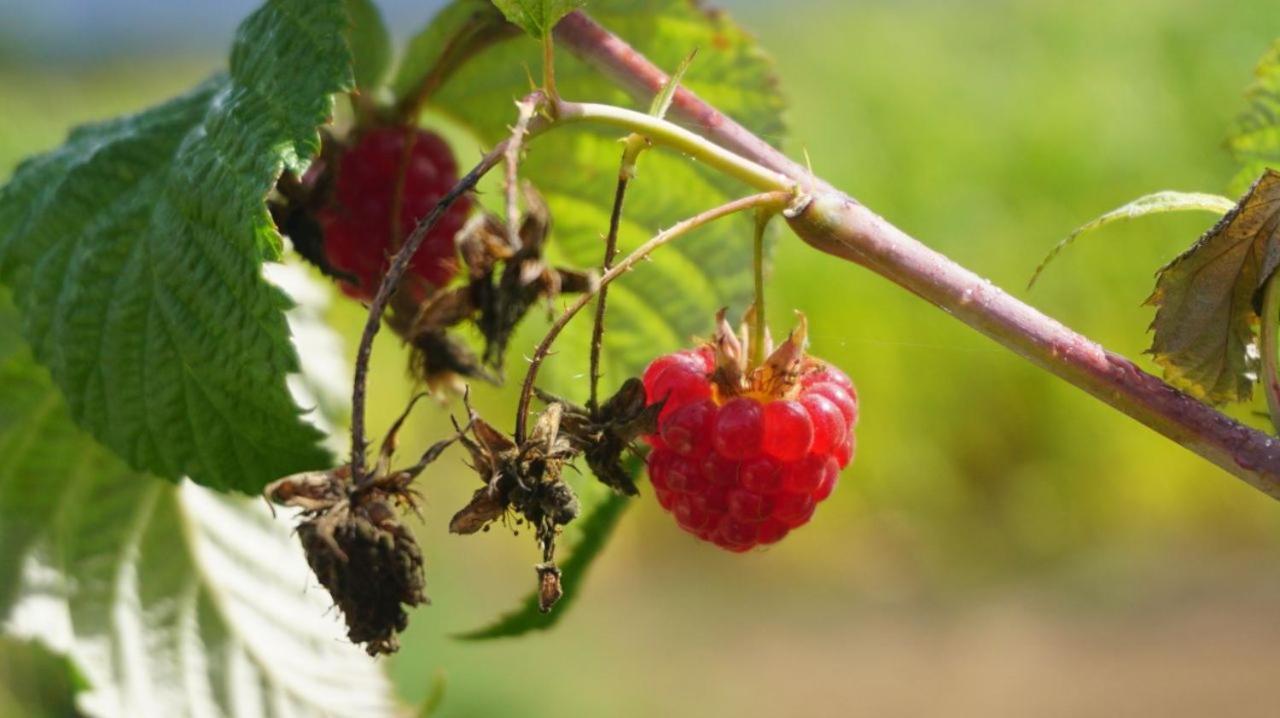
(1003, 544)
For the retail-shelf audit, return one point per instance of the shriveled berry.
(360, 234)
(739, 429)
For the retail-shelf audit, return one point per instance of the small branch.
(525, 108)
(399, 263)
(673, 136)
(838, 225)
(775, 200)
(631, 71)
(758, 323)
(610, 252)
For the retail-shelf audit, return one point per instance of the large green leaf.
(370, 43)
(135, 253)
(169, 599)
(667, 301)
(1255, 139)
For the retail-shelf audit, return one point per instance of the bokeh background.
(1003, 545)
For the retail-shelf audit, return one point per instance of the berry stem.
(775, 200)
(399, 263)
(758, 323)
(673, 136)
(839, 226)
(610, 252)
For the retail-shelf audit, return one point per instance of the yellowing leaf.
(1207, 314)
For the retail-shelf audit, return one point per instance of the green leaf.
(1157, 203)
(370, 43)
(135, 251)
(666, 302)
(35, 683)
(170, 599)
(537, 17)
(1255, 139)
(1206, 299)
(458, 31)
(594, 529)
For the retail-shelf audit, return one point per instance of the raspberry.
(357, 220)
(743, 455)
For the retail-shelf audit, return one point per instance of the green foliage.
(1206, 316)
(370, 44)
(593, 530)
(537, 17)
(575, 169)
(36, 683)
(169, 598)
(459, 29)
(135, 253)
(1255, 139)
(1156, 203)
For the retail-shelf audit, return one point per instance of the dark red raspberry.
(743, 454)
(358, 236)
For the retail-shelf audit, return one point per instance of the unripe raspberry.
(357, 221)
(742, 454)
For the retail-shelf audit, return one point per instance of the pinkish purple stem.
(836, 224)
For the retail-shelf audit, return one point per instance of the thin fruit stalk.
(838, 225)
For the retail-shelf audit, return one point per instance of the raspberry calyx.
(743, 454)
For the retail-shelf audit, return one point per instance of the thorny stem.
(775, 200)
(657, 130)
(399, 263)
(610, 252)
(758, 323)
(526, 109)
(666, 133)
(836, 224)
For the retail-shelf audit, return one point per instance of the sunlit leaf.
(1157, 203)
(370, 43)
(537, 17)
(1255, 139)
(170, 599)
(1206, 299)
(135, 253)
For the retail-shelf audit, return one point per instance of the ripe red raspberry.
(357, 220)
(743, 455)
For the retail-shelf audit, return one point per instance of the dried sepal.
(777, 376)
(355, 543)
(603, 439)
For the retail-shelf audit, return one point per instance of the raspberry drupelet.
(744, 454)
(357, 226)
